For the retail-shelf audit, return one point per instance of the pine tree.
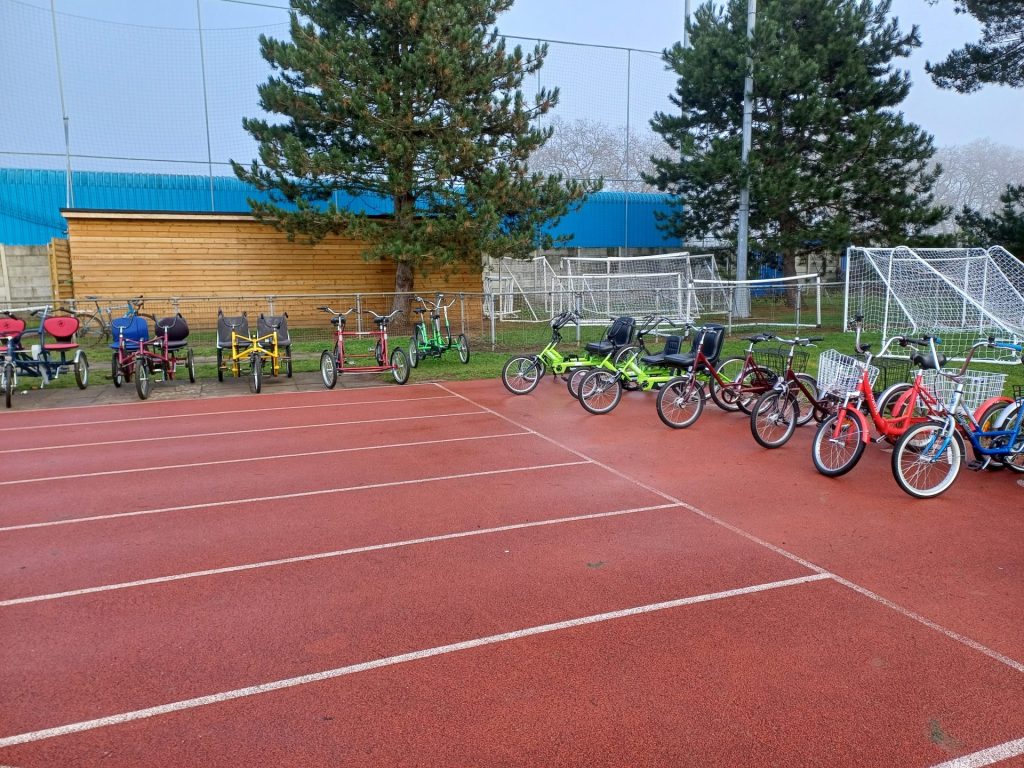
(1003, 227)
(832, 161)
(997, 59)
(417, 101)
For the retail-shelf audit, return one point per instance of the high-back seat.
(177, 332)
(11, 328)
(712, 338)
(672, 346)
(226, 324)
(619, 334)
(134, 329)
(267, 324)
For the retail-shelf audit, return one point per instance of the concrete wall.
(25, 275)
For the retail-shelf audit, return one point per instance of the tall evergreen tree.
(1003, 227)
(832, 161)
(996, 59)
(418, 101)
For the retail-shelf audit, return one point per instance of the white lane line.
(329, 555)
(955, 636)
(276, 685)
(328, 452)
(243, 411)
(985, 757)
(240, 432)
(282, 496)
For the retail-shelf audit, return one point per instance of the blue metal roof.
(30, 203)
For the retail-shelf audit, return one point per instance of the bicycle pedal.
(978, 466)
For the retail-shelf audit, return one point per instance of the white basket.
(979, 386)
(839, 374)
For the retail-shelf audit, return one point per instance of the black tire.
(927, 459)
(521, 374)
(803, 402)
(143, 378)
(837, 456)
(399, 365)
(256, 373)
(774, 418)
(680, 402)
(81, 370)
(220, 364)
(573, 382)
(8, 383)
(728, 370)
(463, 344)
(115, 370)
(288, 361)
(600, 391)
(190, 366)
(1015, 460)
(378, 352)
(414, 357)
(754, 384)
(887, 399)
(328, 369)
(624, 353)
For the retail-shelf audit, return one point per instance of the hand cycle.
(430, 340)
(342, 360)
(791, 402)
(600, 390)
(47, 359)
(840, 440)
(927, 458)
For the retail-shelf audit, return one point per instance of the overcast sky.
(995, 113)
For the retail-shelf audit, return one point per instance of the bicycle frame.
(632, 371)
(255, 351)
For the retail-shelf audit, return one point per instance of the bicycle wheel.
(573, 382)
(887, 400)
(190, 365)
(8, 383)
(414, 358)
(256, 373)
(115, 370)
(1015, 459)
(680, 402)
(82, 370)
(328, 369)
(288, 361)
(927, 459)
(774, 417)
(837, 450)
(624, 354)
(90, 327)
(600, 391)
(804, 403)
(143, 378)
(521, 375)
(729, 371)
(378, 353)
(753, 384)
(220, 364)
(463, 345)
(400, 366)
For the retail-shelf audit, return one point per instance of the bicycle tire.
(680, 402)
(81, 370)
(220, 364)
(774, 418)
(887, 400)
(1015, 459)
(521, 374)
(399, 365)
(90, 326)
(328, 369)
(8, 377)
(728, 370)
(622, 354)
(190, 366)
(288, 361)
(378, 352)
(805, 403)
(256, 373)
(413, 352)
(115, 370)
(754, 383)
(463, 344)
(143, 379)
(988, 421)
(837, 456)
(573, 382)
(600, 391)
(923, 468)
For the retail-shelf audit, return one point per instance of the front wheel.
(927, 458)
(328, 369)
(838, 445)
(573, 382)
(600, 391)
(143, 378)
(8, 382)
(82, 370)
(414, 358)
(773, 418)
(803, 400)
(463, 345)
(521, 375)
(190, 365)
(256, 373)
(378, 353)
(288, 361)
(400, 366)
(680, 402)
(115, 370)
(220, 364)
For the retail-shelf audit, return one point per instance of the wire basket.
(979, 386)
(891, 371)
(839, 374)
(775, 358)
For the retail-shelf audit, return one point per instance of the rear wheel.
(804, 403)
(573, 382)
(288, 361)
(8, 383)
(91, 327)
(220, 364)
(1015, 460)
(400, 366)
(521, 374)
(838, 445)
(328, 369)
(414, 358)
(378, 352)
(600, 391)
(115, 370)
(82, 370)
(256, 373)
(728, 371)
(190, 365)
(926, 459)
(773, 418)
(624, 354)
(680, 402)
(463, 345)
(143, 378)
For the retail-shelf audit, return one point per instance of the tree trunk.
(789, 270)
(404, 277)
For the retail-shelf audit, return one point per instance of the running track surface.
(447, 575)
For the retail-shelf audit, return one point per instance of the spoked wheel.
(681, 402)
(804, 403)
(575, 377)
(143, 378)
(752, 386)
(190, 365)
(328, 369)
(256, 373)
(927, 458)
(220, 364)
(378, 352)
(91, 328)
(115, 370)
(774, 417)
(600, 391)
(1015, 459)
(414, 358)
(521, 374)
(729, 371)
(399, 365)
(625, 353)
(82, 370)
(8, 383)
(463, 345)
(838, 445)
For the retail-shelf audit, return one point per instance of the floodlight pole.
(742, 295)
(686, 21)
(69, 187)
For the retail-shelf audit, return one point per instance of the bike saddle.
(927, 362)
(380, 320)
(419, 310)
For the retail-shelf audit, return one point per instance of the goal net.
(960, 294)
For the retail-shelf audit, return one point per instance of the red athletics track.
(446, 575)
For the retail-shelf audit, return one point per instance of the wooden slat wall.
(60, 270)
(121, 254)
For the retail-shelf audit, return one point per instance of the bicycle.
(266, 344)
(927, 457)
(95, 323)
(431, 341)
(131, 330)
(40, 359)
(791, 402)
(161, 354)
(681, 400)
(339, 360)
(736, 382)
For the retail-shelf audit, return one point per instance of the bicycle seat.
(177, 332)
(380, 320)
(11, 327)
(419, 310)
(672, 346)
(927, 362)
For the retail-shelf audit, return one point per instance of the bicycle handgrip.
(816, 338)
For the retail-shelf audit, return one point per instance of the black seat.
(225, 325)
(714, 339)
(177, 332)
(267, 324)
(619, 334)
(927, 362)
(672, 346)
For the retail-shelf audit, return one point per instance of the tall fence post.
(817, 282)
(799, 303)
(270, 305)
(462, 312)
(359, 312)
(489, 296)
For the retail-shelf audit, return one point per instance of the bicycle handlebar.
(438, 303)
(387, 317)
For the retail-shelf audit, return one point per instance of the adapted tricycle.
(47, 359)
(342, 360)
(162, 353)
(430, 339)
(270, 344)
